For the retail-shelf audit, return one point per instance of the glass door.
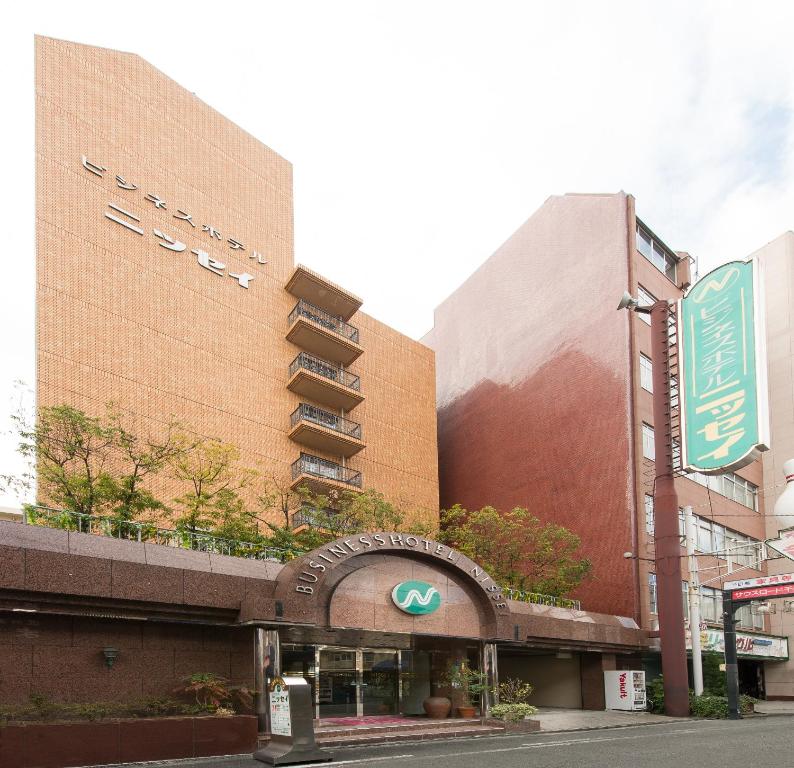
(379, 682)
(338, 683)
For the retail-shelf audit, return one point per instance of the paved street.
(763, 741)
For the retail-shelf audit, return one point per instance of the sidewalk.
(775, 708)
(552, 719)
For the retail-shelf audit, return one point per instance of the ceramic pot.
(437, 707)
(466, 711)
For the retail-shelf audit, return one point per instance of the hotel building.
(545, 401)
(166, 283)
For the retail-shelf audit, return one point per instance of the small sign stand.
(291, 725)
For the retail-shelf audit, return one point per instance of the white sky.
(423, 134)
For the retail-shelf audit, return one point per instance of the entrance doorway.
(354, 682)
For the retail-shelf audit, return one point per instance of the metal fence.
(537, 598)
(131, 530)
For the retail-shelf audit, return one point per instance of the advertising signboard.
(722, 359)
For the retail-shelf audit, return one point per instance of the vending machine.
(625, 689)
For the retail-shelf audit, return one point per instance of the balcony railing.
(132, 530)
(315, 415)
(310, 516)
(324, 319)
(325, 369)
(325, 470)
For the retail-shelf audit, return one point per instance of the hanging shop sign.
(764, 646)
(722, 365)
(416, 597)
(761, 588)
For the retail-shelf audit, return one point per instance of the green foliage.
(212, 691)
(716, 707)
(654, 691)
(470, 682)
(512, 712)
(714, 679)
(40, 708)
(211, 473)
(516, 548)
(514, 691)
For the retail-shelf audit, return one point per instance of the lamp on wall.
(110, 655)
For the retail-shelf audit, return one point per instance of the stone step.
(417, 724)
(353, 738)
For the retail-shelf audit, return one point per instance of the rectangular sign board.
(722, 354)
(761, 581)
(763, 593)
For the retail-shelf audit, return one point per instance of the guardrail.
(327, 370)
(319, 316)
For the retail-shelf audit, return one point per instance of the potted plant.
(470, 683)
(513, 710)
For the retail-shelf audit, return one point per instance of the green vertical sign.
(722, 368)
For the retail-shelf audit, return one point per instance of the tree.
(337, 514)
(138, 459)
(516, 548)
(71, 453)
(214, 481)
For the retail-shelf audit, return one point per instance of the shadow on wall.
(557, 443)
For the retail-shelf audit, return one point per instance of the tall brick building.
(166, 283)
(544, 401)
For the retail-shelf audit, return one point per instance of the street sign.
(722, 381)
(291, 724)
(763, 593)
(784, 543)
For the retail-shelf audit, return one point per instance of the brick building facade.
(166, 283)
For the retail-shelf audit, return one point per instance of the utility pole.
(666, 536)
(729, 608)
(694, 602)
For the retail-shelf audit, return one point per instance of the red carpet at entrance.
(373, 720)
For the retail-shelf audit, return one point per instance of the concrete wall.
(534, 386)
(777, 259)
(122, 318)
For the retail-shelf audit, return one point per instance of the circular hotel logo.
(416, 597)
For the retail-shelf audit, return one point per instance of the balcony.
(325, 431)
(324, 382)
(315, 289)
(309, 517)
(321, 475)
(320, 333)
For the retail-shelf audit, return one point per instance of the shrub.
(213, 691)
(655, 693)
(513, 691)
(716, 707)
(512, 713)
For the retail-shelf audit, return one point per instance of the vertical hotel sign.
(722, 352)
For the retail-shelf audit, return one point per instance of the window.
(731, 486)
(648, 449)
(649, 525)
(644, 299)
(681, 523)
(646, 373)
(652, 592)
(703, 541)
(711, 604)
(656, 252)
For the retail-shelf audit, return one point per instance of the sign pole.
(731, 661)
(666, 536)
(694, 604)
